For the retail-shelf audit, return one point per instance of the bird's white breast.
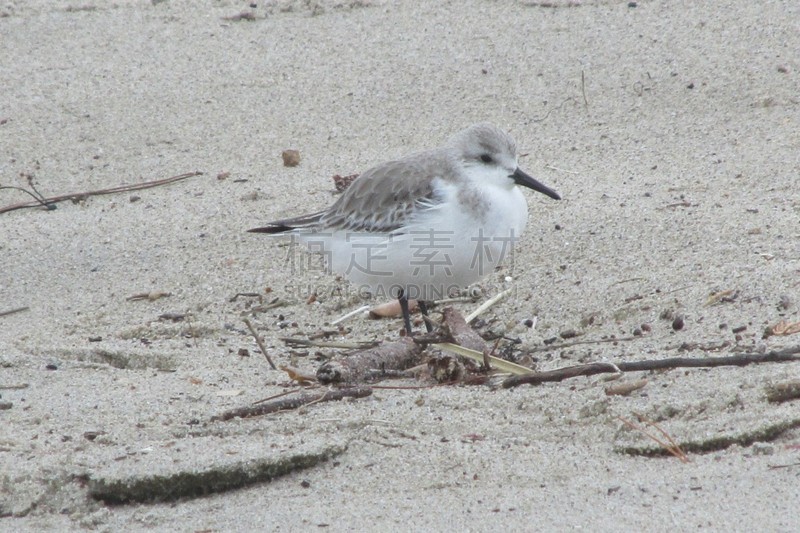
(443, 248)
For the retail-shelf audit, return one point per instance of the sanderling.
(426, 224)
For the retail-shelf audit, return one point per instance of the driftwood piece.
(535, 378)
(625, 388)
(460, 332)
(450, 368)
(285, 404)
(783, 392)
(393, 356)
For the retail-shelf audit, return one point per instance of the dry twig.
(296, 342)
(260, 343)
(14, 311)
(82, 195)
(287, 404)
(535, 378)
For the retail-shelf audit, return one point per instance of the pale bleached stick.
(351, 314)
(486, 305)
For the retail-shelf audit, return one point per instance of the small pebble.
(291, 158)
(568, 334)
(92, 435)
(763, 448)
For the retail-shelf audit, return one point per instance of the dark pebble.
(568, 334)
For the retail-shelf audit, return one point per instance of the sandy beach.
(670, 129)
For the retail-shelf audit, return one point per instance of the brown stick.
(13, 311)
(112, 190)
(286, 404)
(535, 378)
(260, 343)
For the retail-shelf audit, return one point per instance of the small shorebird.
(426, 224)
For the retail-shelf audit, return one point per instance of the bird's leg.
(423, 308)
(401, 297)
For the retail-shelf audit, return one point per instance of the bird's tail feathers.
(289, 224)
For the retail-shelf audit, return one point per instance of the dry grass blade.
(496, 362)
(671, 446)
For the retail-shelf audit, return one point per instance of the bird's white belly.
(444, 250)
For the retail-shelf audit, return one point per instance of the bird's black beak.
(520, 178)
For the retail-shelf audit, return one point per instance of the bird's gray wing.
(386, 197)
(382, 199)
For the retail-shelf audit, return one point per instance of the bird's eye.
(486, 158)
